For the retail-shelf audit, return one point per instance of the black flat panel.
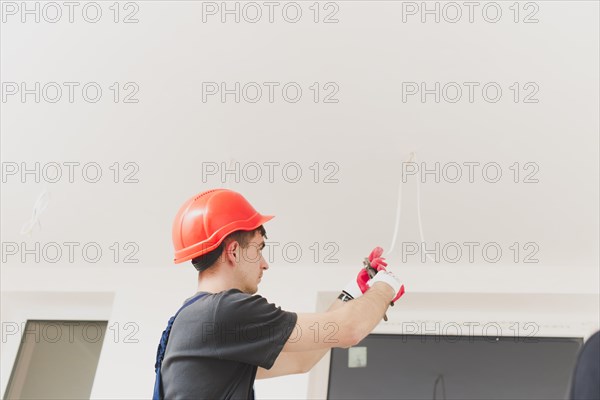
(456, 367)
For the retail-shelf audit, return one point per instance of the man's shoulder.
(226, 299)
(238, 304)
(235, 295)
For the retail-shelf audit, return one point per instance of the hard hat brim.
(208, 245)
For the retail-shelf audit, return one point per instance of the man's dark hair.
(207, 260)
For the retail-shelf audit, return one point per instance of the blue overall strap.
(162, 347)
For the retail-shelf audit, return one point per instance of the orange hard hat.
(206, 219)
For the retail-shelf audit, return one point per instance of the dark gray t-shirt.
(217, 343)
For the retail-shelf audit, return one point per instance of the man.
(585, 383)
(226, 336)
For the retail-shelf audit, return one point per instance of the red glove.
(379, 264)
(376, 260)
(390, 279)
(356, 287)
(400, 293)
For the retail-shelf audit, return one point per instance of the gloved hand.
(376, 260)
(356, 287)
(390, 279)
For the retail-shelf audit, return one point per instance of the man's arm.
(308, 359)
(353, 321)
(298, 362)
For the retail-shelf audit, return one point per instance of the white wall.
(147, 296)
(170, 135)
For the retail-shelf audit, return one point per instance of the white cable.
(38, 208)
(399, 211)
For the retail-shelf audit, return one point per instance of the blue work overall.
(162, 347)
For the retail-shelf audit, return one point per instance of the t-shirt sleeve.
(249, 329)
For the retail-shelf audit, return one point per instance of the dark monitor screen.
(453, 367)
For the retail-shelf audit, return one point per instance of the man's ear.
(232, 252)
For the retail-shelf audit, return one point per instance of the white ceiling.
(367, 135)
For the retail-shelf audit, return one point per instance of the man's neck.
(211, 285)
